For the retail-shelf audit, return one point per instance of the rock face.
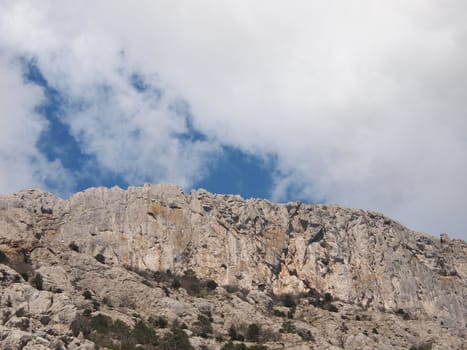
(362, 259)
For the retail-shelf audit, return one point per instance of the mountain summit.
(153, 267)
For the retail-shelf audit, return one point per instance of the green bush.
(144, 334)
(74, 246)
(20, 312)
(287, 327)
(203, 326)
(211, 284)
(234, 335)
(100, 258)
(104, 332)
(422, 346)
(289, 301)
(278, 313)
(241, 346)
(75, 327)
(177, 339)
(87, 295)
(332, 308)
(37, 281)
(101, 323)
(253, 332)
(232, 346)
(159, 322)
(405, 315)
(3, 258)
(176, 284)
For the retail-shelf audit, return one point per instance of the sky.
(361, 103)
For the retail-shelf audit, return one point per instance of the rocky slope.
(165, 269)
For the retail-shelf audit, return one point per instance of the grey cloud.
(362, 103)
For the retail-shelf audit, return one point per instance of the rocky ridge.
(307, 276)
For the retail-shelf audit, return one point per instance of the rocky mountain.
(153, 267)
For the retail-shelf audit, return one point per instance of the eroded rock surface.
(405, 283)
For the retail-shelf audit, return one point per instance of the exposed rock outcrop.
(97, 239)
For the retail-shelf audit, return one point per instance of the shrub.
(242, 346)
(405, 315)
(45, 320)
(177, 339)
(253, 332)
(305, 335)
(422, 346)
(37, 281)
(87, 312)
(100, 258)
(20, 312)
(332, 308)
(230, 288)
(74, 246)
(75, 327)
(3, 258)
(176, 284)
(159, 322)
(105, 332)
(234, 335)
(289, 301)
(287, 327)
(107, 301)
(203, 326)
(144, 334)
(211, 285)
(232, 346)
(101, 323)
(278, 313)
(26, 256)
(87, 295)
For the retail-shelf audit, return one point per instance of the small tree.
(177, 339)
(144, 334)
(253, 332)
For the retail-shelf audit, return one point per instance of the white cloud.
(362, 102)
(135, 134)
(21, 165)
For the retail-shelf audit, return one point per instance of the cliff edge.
(124, 245)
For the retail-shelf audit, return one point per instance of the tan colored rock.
(361, 258)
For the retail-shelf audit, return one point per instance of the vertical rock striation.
(357, 256)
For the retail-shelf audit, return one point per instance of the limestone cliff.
(359, 258)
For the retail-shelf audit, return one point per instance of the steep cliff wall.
(357, 256)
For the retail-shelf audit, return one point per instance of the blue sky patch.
(56, 141)
(234, 172)
(240, 173)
